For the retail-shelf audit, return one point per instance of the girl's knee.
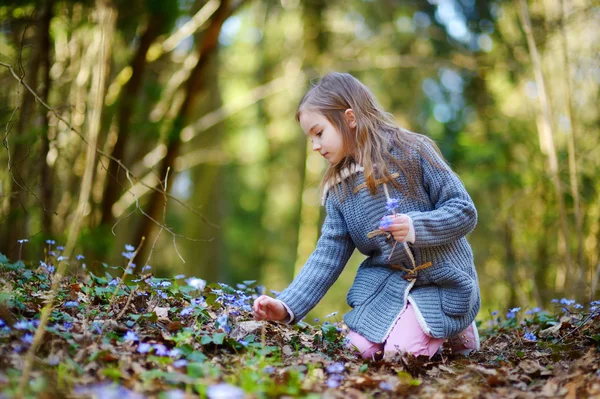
(362, 346)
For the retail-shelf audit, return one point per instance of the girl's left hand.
(398, 225)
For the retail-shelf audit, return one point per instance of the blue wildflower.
(317, 320)
(146, 268)
(161, 350)
(224, 391)
(187, 311)
(495, 313)
(80, 257)
(174, 352)
(131, 336)
(568, 302)
(2, 323)
(61, 258)
(127, 255)
(529, 336)
(180, 363)
(67, 325)
(335, 368)
(60, 248)
(385, 386)
(197, 283)
(22, 240)
(114, 281)
(222, 322)
(198, 301)
(179, 276)
(514, 310)
(71, 304)
(50, 242)
(386, 222)
(510, 315)
(269, 370)
(165, 284)
(392, 204)
(331, 315)
(129, 248)
(144, 347)
(554, 301)
(578, 306)
(333, 382)
(27, 338)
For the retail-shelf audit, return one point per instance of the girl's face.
(325, 137)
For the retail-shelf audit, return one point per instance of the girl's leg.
(366, 348)
(407, 336)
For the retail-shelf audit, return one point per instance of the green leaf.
(363, 368)
(218, 338)
(3, 258)
(205, 340)
(112, 372)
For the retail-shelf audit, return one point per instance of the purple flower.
(179, 276)
(2, 323)
(161, 350)
(514, 310)
(67, 325)
(22, 240)
(129, 248)
(495, 313)
(174, 352)
(127, 255)
(187, 311)
(60, 248)
(534, 310)
(80, 257)
(27, 338)
(385, 386)
(224, 391)
(197, 283)
(222, 322)
(335, 368)
(22, 325)
(165, 284)
(269, 370)
(50, 242)
(71, 304)
(391, 204)
(530, 337)
(61, 258)
(114, 281)
(180, 363)
(130, 336)
(333, 382)
(146, 268)
(386, 222)
(143, 347)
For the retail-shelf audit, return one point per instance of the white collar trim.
(346, 172)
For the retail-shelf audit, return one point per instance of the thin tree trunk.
(128, 97)
(546, 132)
(207, 50)
(106, 21)
(17, 219)
(571, 149)
(45, 171)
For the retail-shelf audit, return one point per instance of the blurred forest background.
(196, 99)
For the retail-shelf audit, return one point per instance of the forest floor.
(138, 336)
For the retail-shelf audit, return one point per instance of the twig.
(127, 303)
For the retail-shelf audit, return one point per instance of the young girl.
(388, 193)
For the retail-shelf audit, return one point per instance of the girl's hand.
(398, 225)
(267, 308)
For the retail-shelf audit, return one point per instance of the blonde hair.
(371, 142)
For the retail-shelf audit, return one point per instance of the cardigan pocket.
(458, 289)
(367, 283)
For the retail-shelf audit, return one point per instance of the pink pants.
(406, 336)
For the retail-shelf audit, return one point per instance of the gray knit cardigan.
(445, 295)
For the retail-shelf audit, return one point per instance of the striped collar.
(345, 173)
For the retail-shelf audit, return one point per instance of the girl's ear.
(349, 114)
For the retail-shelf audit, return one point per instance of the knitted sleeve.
(323, 267)
(454, 214)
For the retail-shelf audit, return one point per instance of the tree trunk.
(207, 50)
(46, 191)
(115, 176)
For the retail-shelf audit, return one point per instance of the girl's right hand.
(267, 308)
